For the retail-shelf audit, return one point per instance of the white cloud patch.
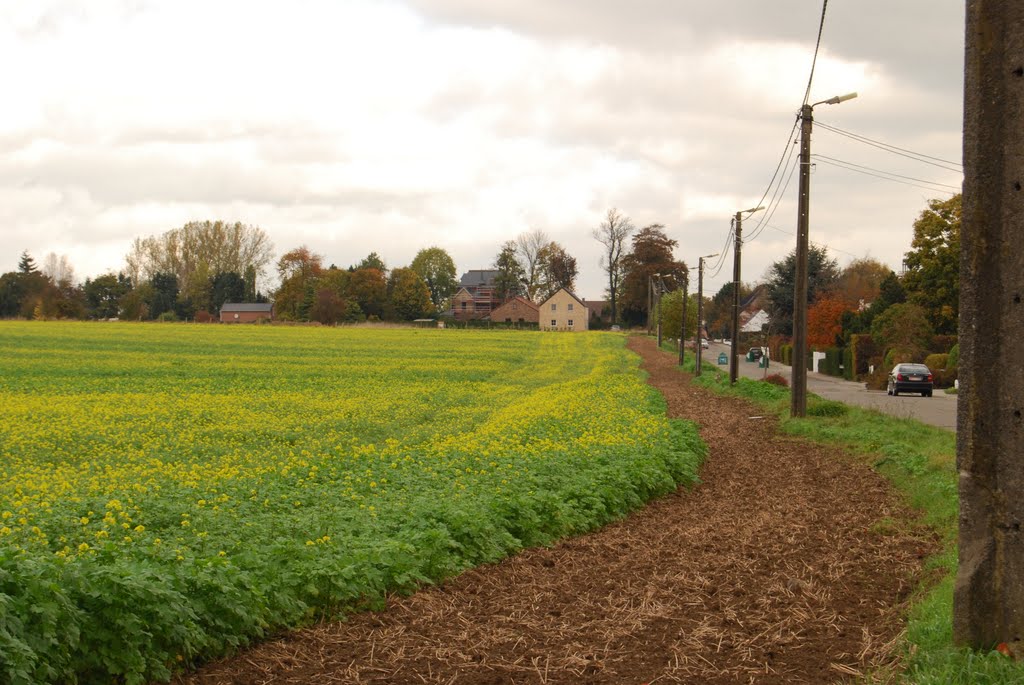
(392, 126)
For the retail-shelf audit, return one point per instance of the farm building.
(563, 311)
(246, 312)
(517, 310)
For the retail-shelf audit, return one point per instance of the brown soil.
(778, 568)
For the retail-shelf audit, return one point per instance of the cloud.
(390, 126)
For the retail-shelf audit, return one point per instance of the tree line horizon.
(189, 272)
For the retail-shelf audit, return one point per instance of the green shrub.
(877, 379)
(167, 316)
(954, 357)
(832, 363)
(828, 408)
(936, 361)
(849, 371)
(944, 378)
(896, 356)
(786, 354)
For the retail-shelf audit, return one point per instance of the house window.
(554, 324)
(553, 306)
(570, 321)
(463, 304)
(570, 307)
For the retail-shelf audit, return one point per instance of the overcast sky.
(393, 125)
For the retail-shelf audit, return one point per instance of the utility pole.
(657, 305)
(650, 304)
(734, 362)
(700, 310)
(988, 598)
(682, 322)
(798, 395)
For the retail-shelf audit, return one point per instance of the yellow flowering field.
(169, 492)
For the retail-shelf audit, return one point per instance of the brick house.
(517, 310)
(475, 298)
(246, 312)
(563, 311)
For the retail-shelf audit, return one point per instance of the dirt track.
(777, 569)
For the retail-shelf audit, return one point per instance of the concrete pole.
(657, 306)
(988, 603)
(734, 362)
(798, 394)
(700, 315)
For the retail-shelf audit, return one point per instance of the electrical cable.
(883, 171)
(814, 61)
(935, 187)
(903, 152)
(780, 192)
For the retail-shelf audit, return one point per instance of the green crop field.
(169, 492)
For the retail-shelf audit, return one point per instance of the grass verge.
(920, 461)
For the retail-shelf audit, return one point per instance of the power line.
(902, 152)
(887, 176)
(725, 249)
(814, 61)
(780, 192)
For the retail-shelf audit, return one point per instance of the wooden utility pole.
(700, 316)
(988, 601)
(734, 362)
(798, 393)
(682, 323)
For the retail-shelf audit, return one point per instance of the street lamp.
(799, 378)
(734, 364)
(700, 309)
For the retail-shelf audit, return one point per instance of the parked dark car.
(756, 353)
(910, 378)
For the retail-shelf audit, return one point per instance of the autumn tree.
(860, 282)
(903, 327)
(220, 245)
(369, 289)
(528, 248)
(652, 254)
(825, 320)
(371, 261)
(557, 270)
(932, 279)
(511, 278)
(822, 274)
(298, 270)
(437, 269)
(612, 234)
(409, 295)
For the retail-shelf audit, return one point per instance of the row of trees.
(906, 315)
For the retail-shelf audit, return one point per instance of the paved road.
(938, 410)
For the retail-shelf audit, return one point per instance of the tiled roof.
(476, 277)
(247, 307)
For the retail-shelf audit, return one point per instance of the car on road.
(755, 353)
(704, 343)
(910, 378)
